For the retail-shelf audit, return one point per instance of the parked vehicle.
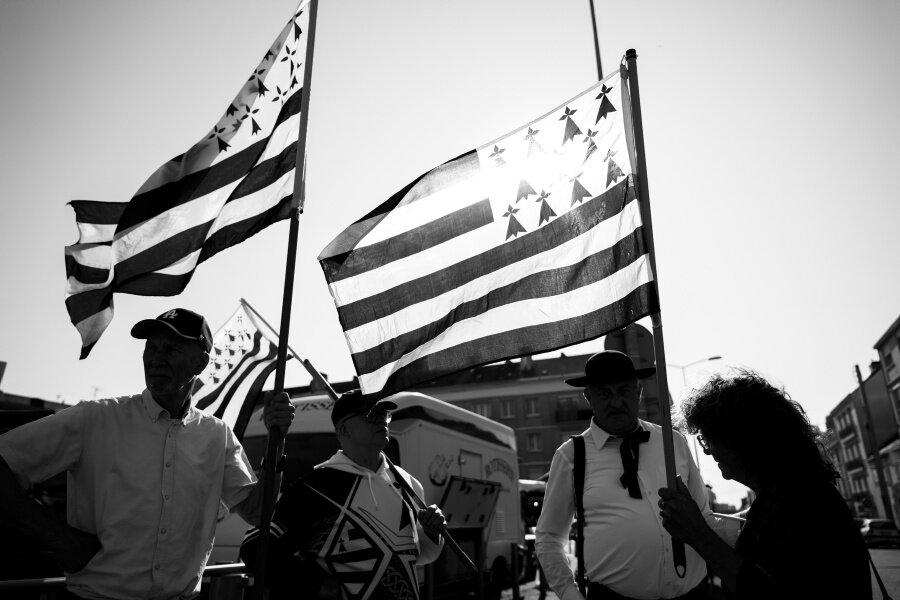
(880, 533)
(439, 444)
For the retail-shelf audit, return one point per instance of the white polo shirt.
(147, 485)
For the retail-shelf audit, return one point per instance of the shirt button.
(166, 496)
(163, 531)
(156, 568)
(168, 464)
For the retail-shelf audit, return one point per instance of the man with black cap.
(349, 529)
(627, 552)
(147, 474)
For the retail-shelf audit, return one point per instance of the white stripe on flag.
(172, 222)
(408, 217)
(92, 233)
(599, 238)
(254, 204)
(523, 314)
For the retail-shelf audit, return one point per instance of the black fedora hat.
(609, 366)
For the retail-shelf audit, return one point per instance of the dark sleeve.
(805, 546)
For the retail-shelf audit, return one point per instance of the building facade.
(852, 440)
(531, 396)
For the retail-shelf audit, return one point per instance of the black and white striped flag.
(242, 359)
(233, 183)
(530, 243)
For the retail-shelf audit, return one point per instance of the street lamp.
(683, 369)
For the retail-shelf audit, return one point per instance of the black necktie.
(630, 450)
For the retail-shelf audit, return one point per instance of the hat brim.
(144, 329)
(584, 380)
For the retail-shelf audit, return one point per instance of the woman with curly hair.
(799, 540)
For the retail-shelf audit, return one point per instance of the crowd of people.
(149, 476)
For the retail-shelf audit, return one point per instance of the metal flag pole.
(596, 42)
(643, 194)
(275, 440)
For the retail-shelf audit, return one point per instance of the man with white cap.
(627, 552)
(147, 474)
(349, 529)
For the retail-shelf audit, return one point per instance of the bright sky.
(772, 143)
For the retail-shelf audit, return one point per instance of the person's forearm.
(721, 558)
(251, 508)
(22, 514)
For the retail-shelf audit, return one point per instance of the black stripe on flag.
(235, 233)
(85, 273)
(545, 337)
(422, 238)
(144, 207)
(84, 305)
(537, 285)
(97, 213)
(569, 226)
(333, 256)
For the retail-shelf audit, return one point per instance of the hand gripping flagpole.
(643, 194)
(275, 440)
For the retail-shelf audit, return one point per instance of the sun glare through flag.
(527, 244)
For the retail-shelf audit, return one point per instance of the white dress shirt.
(147, 485)
(626, 547)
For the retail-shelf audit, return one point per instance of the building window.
(507, 410)
(531, 407)
(534, 442)
(483, 409)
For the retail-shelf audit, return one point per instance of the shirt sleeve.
(553, 526)
(39, 450)
(239, 479)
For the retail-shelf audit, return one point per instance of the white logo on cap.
(170, 314)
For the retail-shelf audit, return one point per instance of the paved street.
(887, 562)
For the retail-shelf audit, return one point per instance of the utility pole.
(870, 432)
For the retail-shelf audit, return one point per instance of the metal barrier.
(219, 589)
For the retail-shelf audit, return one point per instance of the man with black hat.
(147, 474)
(627, 552)
(349, 529)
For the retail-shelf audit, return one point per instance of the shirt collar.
(157, 412)
(601, 436)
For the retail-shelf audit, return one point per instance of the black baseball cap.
(184, 322)
(609, 366)
(355, 402)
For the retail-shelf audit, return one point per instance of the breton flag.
(234, 182)
(528, 244)
(242, 358)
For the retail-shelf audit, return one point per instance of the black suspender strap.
(578, 481)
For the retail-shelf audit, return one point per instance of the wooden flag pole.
(643, 194)
(275, 440)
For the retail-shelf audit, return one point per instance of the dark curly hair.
(768, 432)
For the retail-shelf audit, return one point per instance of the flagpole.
(275, 440)
(274, 331)
(596, 42)
(662, 383)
